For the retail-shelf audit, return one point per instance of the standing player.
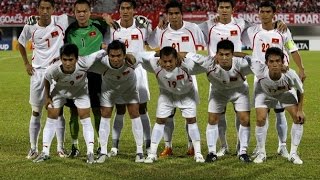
(67, 79)
(133, 37)
(260, 38)
(184, 37)
(228, 79)
(88, 35)
(47, 37)
(273, 88)
(119, 85)
(176, 91)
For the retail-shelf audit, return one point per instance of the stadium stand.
(248, 6)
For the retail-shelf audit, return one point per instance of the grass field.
(14, 139)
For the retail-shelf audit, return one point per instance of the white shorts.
(218, 100)
(37, 95)
(81, 98)
(168, 101)
(110, 97)
(262, 100)
(142, 84)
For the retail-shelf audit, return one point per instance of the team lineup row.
(275, 85)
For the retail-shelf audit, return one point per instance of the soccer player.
(88, 35)
(47, 37)
(67, 79)
(275, 88)
(228, 78)
(260, 38)
(133, 35)
(184, 37)
(119, 85)
(176, 91)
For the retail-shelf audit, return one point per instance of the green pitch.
(14, 139)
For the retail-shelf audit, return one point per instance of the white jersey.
(260, 40)
(117, 79)
(46, 41)
(178, 81)
(69, 84)
(185, 39)
(231, 31)
(272, 88)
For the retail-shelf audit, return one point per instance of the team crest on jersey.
(54, 34)
(181, 76)
(275, 41)
(79, 76)
(134, 37)
(234, 33)
(185, 38)
(92, 33)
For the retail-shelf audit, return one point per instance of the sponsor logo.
(302, 44)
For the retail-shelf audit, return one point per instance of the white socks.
(156, 136)
(48, 134)
(60, 132)
(296, 136)
(282, 127)
(244, 136)
(168, 131)
(104, 132)
(116, 130)
(88, 134)
(212, 137)
(137, 131)
(34, 131)
(261, 136)
(195, 137)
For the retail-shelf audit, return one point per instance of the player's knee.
(84, 113)
(121, 109)
(261, 121)
(213, 119)
(106, 112)
(191, 120)
(279, 110)
(36, 110)
(161, 120)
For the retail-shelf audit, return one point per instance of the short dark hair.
(268, 4)
(227, 1)
(52, 2)
(115, 45)
(133, 3)
(174, 4)
(225, 44)
(82, 2)
(69, 49)
(167, 51)
(274, 51)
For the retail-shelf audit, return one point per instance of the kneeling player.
(68, 80)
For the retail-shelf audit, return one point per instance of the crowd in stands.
(249, 6)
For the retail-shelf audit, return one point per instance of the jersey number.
(48, 42)
(172, 84)
(265, 47)
(176, 46)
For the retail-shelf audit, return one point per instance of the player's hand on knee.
(300, 117)
(29, 69)
(49, 103)
(142, 21)
(32, 20)
(110, 21)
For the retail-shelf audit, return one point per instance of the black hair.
(133, 3)
(115, 45)
(227, 1)
(69, 49)
(225, 44)
(174, 4)
(268, 4)
(167, 51)
(82, 2)
(274, 51)
(52, 2)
